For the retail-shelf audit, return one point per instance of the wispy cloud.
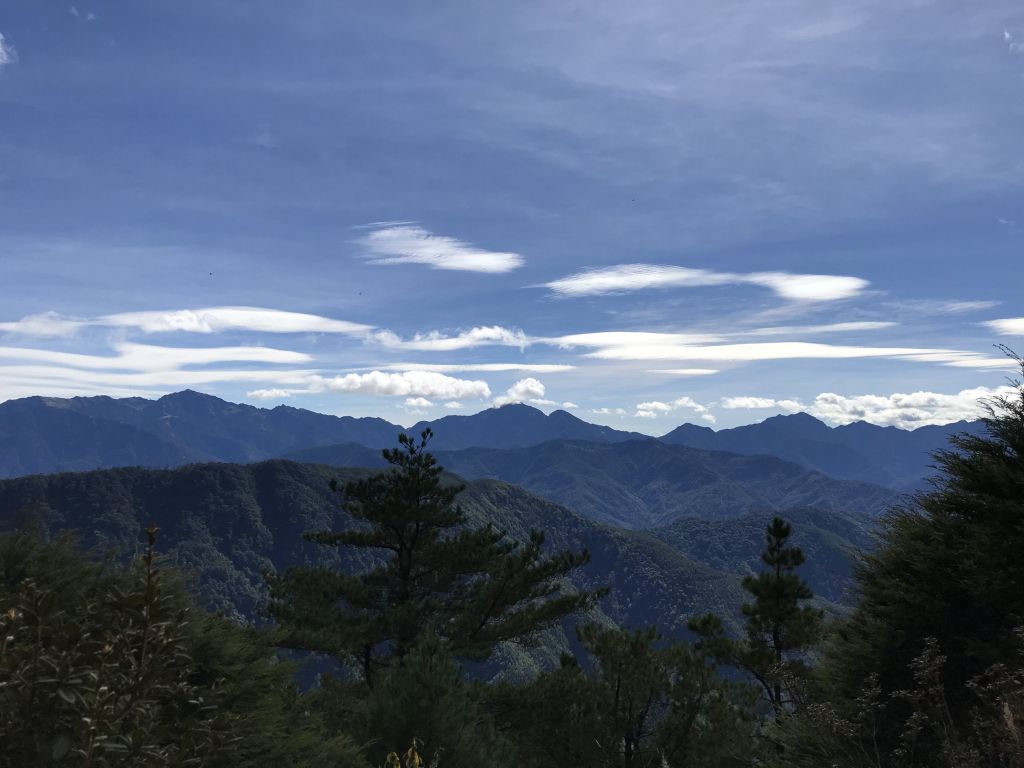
(8, 55)
(206, 321)
(144, 357)
(435, 341)
(480, 367)
(812, 330)
(791, 350)
(1009, 326)
(686, 371)
(406, 243)
(627, 278)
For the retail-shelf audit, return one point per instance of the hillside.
(645, 483)
(228, 524)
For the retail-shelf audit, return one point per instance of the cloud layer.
(411, 244)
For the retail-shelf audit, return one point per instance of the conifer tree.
(472, 586)
(780, 626)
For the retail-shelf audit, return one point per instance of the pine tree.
(472, 586)
(780, 626)
(945, 583)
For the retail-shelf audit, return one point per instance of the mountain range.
(227, 524)
(641, 484)
(45, 434)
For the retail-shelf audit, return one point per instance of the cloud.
(1010, 326)
(206, 321)
(268, 394)
(454, 405)
(7, 53)
(815, 329)
(626, 278)
(654, 408)
(524, 390)
(44, 325)
(791, 350)
(905, 410)
(436, 342)
(569, 406)
(218, 319)
(789, 406)
(406, 243)
(609, 411)
(482, 367)
(686, 371)
(408, 384)
(627, 339)
(418, 402)
(144, 357)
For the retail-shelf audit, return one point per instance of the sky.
(646, 213)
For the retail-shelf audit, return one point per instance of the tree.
(780, 626)
(944, 585)
(640, 702)
(472, 586)
(105, 665)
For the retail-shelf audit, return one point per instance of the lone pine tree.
(470, 585)
(780, 627)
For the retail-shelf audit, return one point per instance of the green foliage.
(780, 627)
(645, 703)
(423, 698)
(472, 586)
(933, 637)
(106, 666)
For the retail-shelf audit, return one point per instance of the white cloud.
(268, 394)
(144, 357)
(482, 367)
(905, 410)
(418, 402)
(625, 278)
(408, 384)
(569, 406)
(654, 408)
(524, 390)
(454, 405)
(44, 325)
(218, 319)
(7, 53)
(206, 321)
(789, 406)
(609, 411)
(1010, 326)
(791, 350)
(437, 342)
(406, 243)
(627, 339)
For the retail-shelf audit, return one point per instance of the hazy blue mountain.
(56, 434)
(646, 483)
(896, 458)
(227, 524)
(516, 426)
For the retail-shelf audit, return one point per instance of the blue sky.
(645, 212)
